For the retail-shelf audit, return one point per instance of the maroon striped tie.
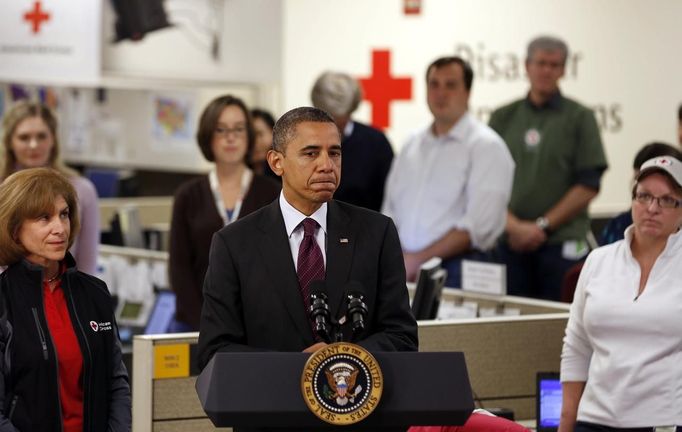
(310, 263)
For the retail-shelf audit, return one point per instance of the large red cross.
(381, 88)
(36, 17)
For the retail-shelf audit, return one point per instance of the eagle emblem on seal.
(341, 381)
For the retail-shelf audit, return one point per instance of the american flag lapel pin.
(343, 240)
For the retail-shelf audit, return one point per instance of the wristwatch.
(543, 223)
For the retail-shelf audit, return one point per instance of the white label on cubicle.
(483, 277)
(451, 310)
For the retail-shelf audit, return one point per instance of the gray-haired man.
(559, 159)
(367, 154)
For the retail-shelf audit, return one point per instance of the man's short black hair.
(445, 61)
(285, 128)
(655, 149)
(679, 113)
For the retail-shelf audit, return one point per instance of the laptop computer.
(548, 396)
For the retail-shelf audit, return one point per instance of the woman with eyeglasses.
(202, 206)
(621, 365)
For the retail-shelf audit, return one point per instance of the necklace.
(53, 278)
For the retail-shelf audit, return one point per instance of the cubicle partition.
(139, 222)
(153, 210)
(503, 355)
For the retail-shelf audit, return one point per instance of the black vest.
(29, 361)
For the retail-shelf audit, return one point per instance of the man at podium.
(264, 268)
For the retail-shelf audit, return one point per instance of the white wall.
(177, 62)
(249, 32)
(61, 46)
(174, 62)
(120, 132)
(628, 65)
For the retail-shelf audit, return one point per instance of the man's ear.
(275, 161)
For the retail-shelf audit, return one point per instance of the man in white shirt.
(448, 189)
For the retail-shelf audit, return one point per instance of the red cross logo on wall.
(381, 88)
(36, 17)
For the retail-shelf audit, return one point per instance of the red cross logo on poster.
(36, 16)
(380, 89)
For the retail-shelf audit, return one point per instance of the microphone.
(319, 310)
(357, 309)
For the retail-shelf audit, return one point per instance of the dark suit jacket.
(195, 220)
(367, 157)
(251, 293)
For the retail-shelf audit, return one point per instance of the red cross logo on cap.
(665, 162)
(36, 16)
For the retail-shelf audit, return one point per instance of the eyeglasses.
(224, 132)
(665, 201)
(544, 63)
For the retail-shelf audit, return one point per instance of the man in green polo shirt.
(559, 159)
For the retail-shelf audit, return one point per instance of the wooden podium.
(263, 389)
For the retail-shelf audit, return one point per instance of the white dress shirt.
(627, 348)
(292, 222)
(459, 180)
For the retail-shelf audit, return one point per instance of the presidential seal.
(342, 383)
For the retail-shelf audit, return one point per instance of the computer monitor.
(131, 226)
(428, 289)
(105, 181)
(548, 395)
(132, 313)
(162, 313)
(114, 236)
(131, 316)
